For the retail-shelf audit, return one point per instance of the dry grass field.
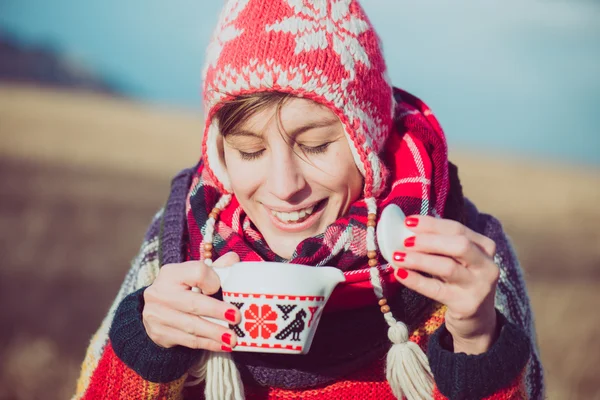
(81, 176)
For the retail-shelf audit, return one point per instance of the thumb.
(227, 260)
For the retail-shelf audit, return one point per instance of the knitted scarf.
(416, 156)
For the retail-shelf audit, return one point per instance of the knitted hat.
(328, 52)
(322, 50)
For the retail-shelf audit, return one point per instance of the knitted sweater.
(123, 362)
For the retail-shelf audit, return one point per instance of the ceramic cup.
(391, 231)
(280, 303)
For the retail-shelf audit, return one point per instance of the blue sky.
(520, 76)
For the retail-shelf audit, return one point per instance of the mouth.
(297, 220)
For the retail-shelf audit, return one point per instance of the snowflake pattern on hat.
(322, 50)
(314, 24)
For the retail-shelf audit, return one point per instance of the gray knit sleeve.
(512, 299)
(144, 269)
(127, 333)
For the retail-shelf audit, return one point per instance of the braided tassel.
(407, 367)
(218, 370)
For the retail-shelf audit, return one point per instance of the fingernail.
(226, 338)
(409, 242)
(399, 256)
(411, 222)
(226, 348)
(230, 315)
(401, 273)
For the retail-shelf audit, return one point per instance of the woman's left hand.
(464, 277)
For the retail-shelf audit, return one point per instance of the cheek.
(354, 182)
(352, 176)
(240, 174)
(341, 174)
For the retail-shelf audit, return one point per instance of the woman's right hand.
(173, 313)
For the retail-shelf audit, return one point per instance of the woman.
(305, 142)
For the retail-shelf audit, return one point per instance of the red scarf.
(416, 156)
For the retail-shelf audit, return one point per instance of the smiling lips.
(298, 220)
(294, 216)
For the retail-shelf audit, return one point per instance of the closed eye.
(251, 156)
(306, 149)
(315, 149)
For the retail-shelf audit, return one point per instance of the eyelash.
(250, 156)
(307, 149)
(317, 149)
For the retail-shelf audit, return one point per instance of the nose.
(285, 179)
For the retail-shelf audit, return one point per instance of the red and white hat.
(322, 50)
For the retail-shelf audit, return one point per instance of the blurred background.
(100, 107)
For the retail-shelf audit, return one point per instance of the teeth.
(294, 215)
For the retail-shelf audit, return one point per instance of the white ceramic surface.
(391, 231)
(281, 304)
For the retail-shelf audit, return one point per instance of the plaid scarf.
(416, 156)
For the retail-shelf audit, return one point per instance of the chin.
(284, 244)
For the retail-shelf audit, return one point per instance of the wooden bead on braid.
(383, 305)
(208, 247)
(207, 253)
(214, 213)
(372, 254)
(371, 220)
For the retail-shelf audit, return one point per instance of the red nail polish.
(409, 242)
(411, 222)
(399, 256)
(226, 348)
(226, 338)
(230, 315)
(401, 273)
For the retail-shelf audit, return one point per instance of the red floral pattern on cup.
(260, 321)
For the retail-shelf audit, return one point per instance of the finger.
(428, 224)
(202, 306)
(460, 248)
(193, 325)
(193, 274)
(227, 260)
(428, 287)
(167, 336)
(445, 268)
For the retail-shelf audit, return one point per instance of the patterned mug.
(280, 303)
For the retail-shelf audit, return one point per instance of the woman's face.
(295, 178)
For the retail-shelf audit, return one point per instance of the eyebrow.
(292, 134)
